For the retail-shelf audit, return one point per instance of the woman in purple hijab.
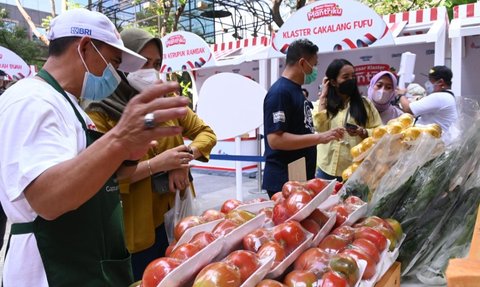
(382, 92)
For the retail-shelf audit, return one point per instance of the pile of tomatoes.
(294, 196)
(232, 271)
(279, 241)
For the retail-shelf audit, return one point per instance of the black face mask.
(348, 87)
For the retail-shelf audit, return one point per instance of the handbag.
(160, 181)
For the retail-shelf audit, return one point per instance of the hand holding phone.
(349, 126)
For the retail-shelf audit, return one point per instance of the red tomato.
(254, 240)
(346, 232)
(268, 211)
(278, 197)
(170, 248)
(302, 278)
(240, 216)
(272, 248)
(342, 214)
(297, 200)
(157, 270)
(220, 274)
(333, 244)
(202, 239)
(354, 200)
(338, 186)
(184, 251)
(230, 204)
(186, 223)
(269, 283)
(280, 213)
(347, 266)
(316, 185)
(290, 186)
(368, 247)
(211, 215)
(314, 260)
(334, 279)
(358, 254)
(246, 261)
(290, 234)
(319, 216)
(224, 227)
(310, 225)
(373, 236)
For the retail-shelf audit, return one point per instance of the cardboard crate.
(465, 272)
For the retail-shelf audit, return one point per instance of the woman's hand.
(322, 95)
(359, 131)
(178, 179)
(174, 158)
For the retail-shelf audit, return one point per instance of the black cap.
(441, 72)
(2, 73)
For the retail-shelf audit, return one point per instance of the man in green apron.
(58, 177)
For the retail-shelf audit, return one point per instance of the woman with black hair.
(341, 105)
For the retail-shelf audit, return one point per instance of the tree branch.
(31, 24)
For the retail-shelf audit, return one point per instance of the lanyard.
(51, 80)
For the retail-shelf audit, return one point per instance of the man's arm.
(68, 185)
(288, 141)
(405, 104)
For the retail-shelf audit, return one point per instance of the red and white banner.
(334, 26)
(13, 65)
(185, 51)
(466, 11)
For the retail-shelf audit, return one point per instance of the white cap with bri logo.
(82, 22)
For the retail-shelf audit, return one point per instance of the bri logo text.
(81, 31)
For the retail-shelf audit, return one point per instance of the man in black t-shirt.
(287, 118)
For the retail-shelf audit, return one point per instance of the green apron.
(86, 246)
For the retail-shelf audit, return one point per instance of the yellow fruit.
(347, 173)
(354, 166)
(367, 143)
(379, 132)
(406, 120)
(356, 151)
(394, 128)
(433, 132)
(411, 133)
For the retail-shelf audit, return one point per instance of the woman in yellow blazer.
(340, 104)
(143, 208)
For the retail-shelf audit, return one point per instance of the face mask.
(310, 78)
(429, 87)
(347, 87)
(142, 78)
(381, 96)
(97, 88)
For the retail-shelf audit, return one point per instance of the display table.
(391, 278)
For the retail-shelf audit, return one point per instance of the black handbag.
(160, 181)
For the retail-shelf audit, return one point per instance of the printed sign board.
(185, 51)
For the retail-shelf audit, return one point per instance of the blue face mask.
(310, 78)
(430, 87)
(97, 88)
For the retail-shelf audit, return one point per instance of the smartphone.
(349, 126)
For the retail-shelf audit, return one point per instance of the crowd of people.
(325, 130)
(93, 150)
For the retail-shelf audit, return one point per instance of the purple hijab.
(387, 110)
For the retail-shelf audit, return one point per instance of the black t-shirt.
(286, 109)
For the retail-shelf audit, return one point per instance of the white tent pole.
(457, 52)
(238, 169)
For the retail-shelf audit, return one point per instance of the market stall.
(465, 37)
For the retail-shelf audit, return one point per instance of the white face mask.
(143, 78)
(381, 96)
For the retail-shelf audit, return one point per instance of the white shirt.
(439, 108)
(38, 129)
